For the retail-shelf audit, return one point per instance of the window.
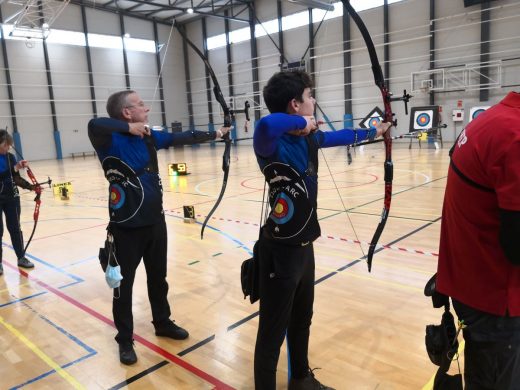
(106, 41)
(66, 37)
(289, 22)
(136, 44)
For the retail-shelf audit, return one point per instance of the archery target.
(283, 209)
(476, 111)
(117, 196)
(372, 119)
(423, 120)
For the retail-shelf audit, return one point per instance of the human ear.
(293, 106)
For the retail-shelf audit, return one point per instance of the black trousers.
(11, 209)
(492, 350)
(150, 244)
(286, 300)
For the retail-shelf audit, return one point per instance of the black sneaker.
(169, 329)
(25, 263)
(1, 269)
(308, 383)
(127, 354)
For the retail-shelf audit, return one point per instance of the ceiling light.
(315, 4)
(189, 10)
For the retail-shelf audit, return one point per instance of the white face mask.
(113, 276)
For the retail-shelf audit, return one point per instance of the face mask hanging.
(113, 275)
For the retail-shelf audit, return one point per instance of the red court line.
(70, 231)
(165, 354)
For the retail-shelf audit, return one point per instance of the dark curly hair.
(283, 87)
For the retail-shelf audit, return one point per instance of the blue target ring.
(423, 120)
(374, 121)
(477, 113)
(283, 209)
(117, 196)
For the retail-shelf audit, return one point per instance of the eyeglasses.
(141, 105)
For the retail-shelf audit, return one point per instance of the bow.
(37, 188)
(387, 117)
(228, 119)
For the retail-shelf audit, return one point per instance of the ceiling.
(167, 11)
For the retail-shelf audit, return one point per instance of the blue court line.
(228, 236)
(53, 267)
(23, 299)
(86, 260)
(37, 294)
(90, 351)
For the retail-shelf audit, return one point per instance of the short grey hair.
(116, 102)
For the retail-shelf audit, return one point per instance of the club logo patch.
(126, 192)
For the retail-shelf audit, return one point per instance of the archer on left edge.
(10, 198)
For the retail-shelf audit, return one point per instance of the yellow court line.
(56, 367)
(429, 385)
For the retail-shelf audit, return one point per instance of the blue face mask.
(113, 276)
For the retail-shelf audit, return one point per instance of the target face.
(476, 111)
(117, 196)
(283, 209)
(423, 120)
(372, 119)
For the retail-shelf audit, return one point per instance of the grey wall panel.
(100, 22)
(72, 95)
(108, 69)
(144, 80)
(173, 75)
(31, 94)
(5, 111)
(138, 28)
(69, 19)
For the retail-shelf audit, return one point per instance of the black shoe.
(308, 383)
(169, 329)
(25, 263)
(127, 354)
(1, 269)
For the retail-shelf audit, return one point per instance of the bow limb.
(387, 117)
(37, 188)
(228, 119)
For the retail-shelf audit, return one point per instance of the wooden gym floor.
(56, 327)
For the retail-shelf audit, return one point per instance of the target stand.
(189, 214)
(427, 119)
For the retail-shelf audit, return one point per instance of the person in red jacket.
(479, 257)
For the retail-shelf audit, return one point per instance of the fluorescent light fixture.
(29, 33)
(320, 4)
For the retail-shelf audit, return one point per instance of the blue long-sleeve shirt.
(272, 142)
(10, 178)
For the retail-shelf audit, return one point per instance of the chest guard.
(293, 215)
(126, 193)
